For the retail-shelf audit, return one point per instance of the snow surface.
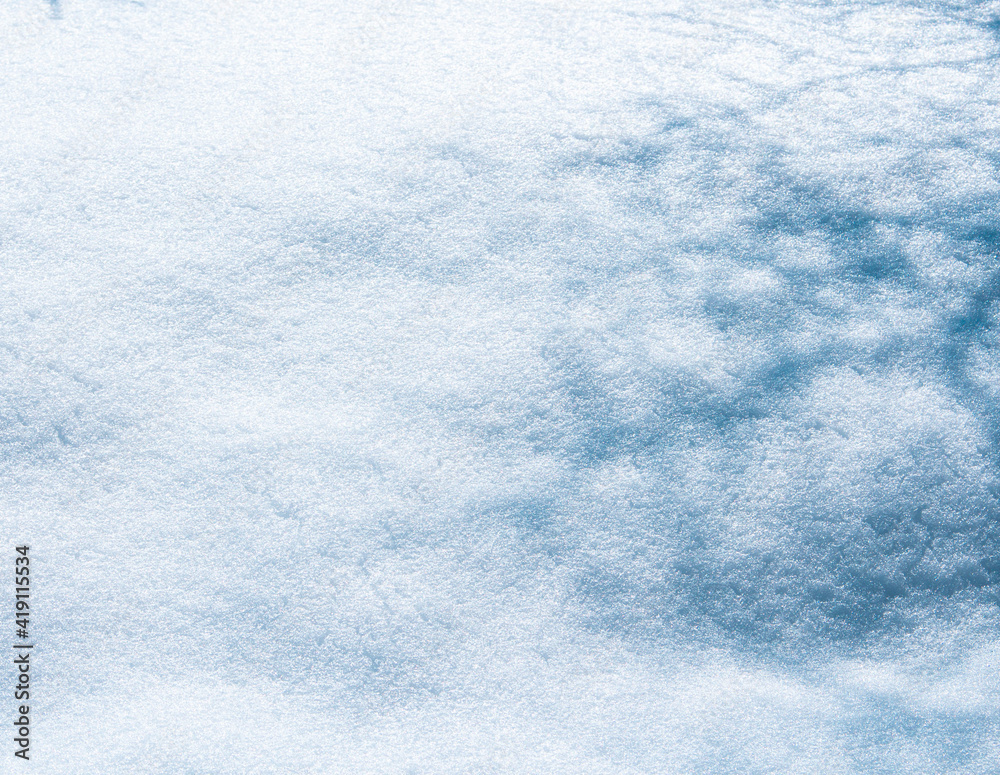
(523, 387)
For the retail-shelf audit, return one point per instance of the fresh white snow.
(525, 387)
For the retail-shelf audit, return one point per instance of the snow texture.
(526, 387)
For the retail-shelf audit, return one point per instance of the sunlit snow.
(526, 387)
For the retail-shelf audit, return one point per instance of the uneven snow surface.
(530, 387)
